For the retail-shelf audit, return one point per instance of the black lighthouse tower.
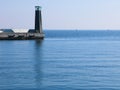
(38, 20)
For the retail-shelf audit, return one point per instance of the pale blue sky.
(61, 14)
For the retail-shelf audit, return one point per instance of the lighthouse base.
(21, 36)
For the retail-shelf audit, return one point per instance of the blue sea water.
(64, 60)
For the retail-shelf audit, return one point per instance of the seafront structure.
(25, 34)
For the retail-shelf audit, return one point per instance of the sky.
(62, 14)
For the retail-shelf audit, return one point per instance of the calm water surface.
(65, 60)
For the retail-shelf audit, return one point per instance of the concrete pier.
(21, 36)
(25, 34)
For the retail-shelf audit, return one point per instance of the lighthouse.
(38, 19)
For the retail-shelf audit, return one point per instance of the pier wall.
(20, 36)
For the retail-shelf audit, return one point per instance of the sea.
(64, 60)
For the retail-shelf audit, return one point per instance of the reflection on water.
(38, 62)
(21, 64)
